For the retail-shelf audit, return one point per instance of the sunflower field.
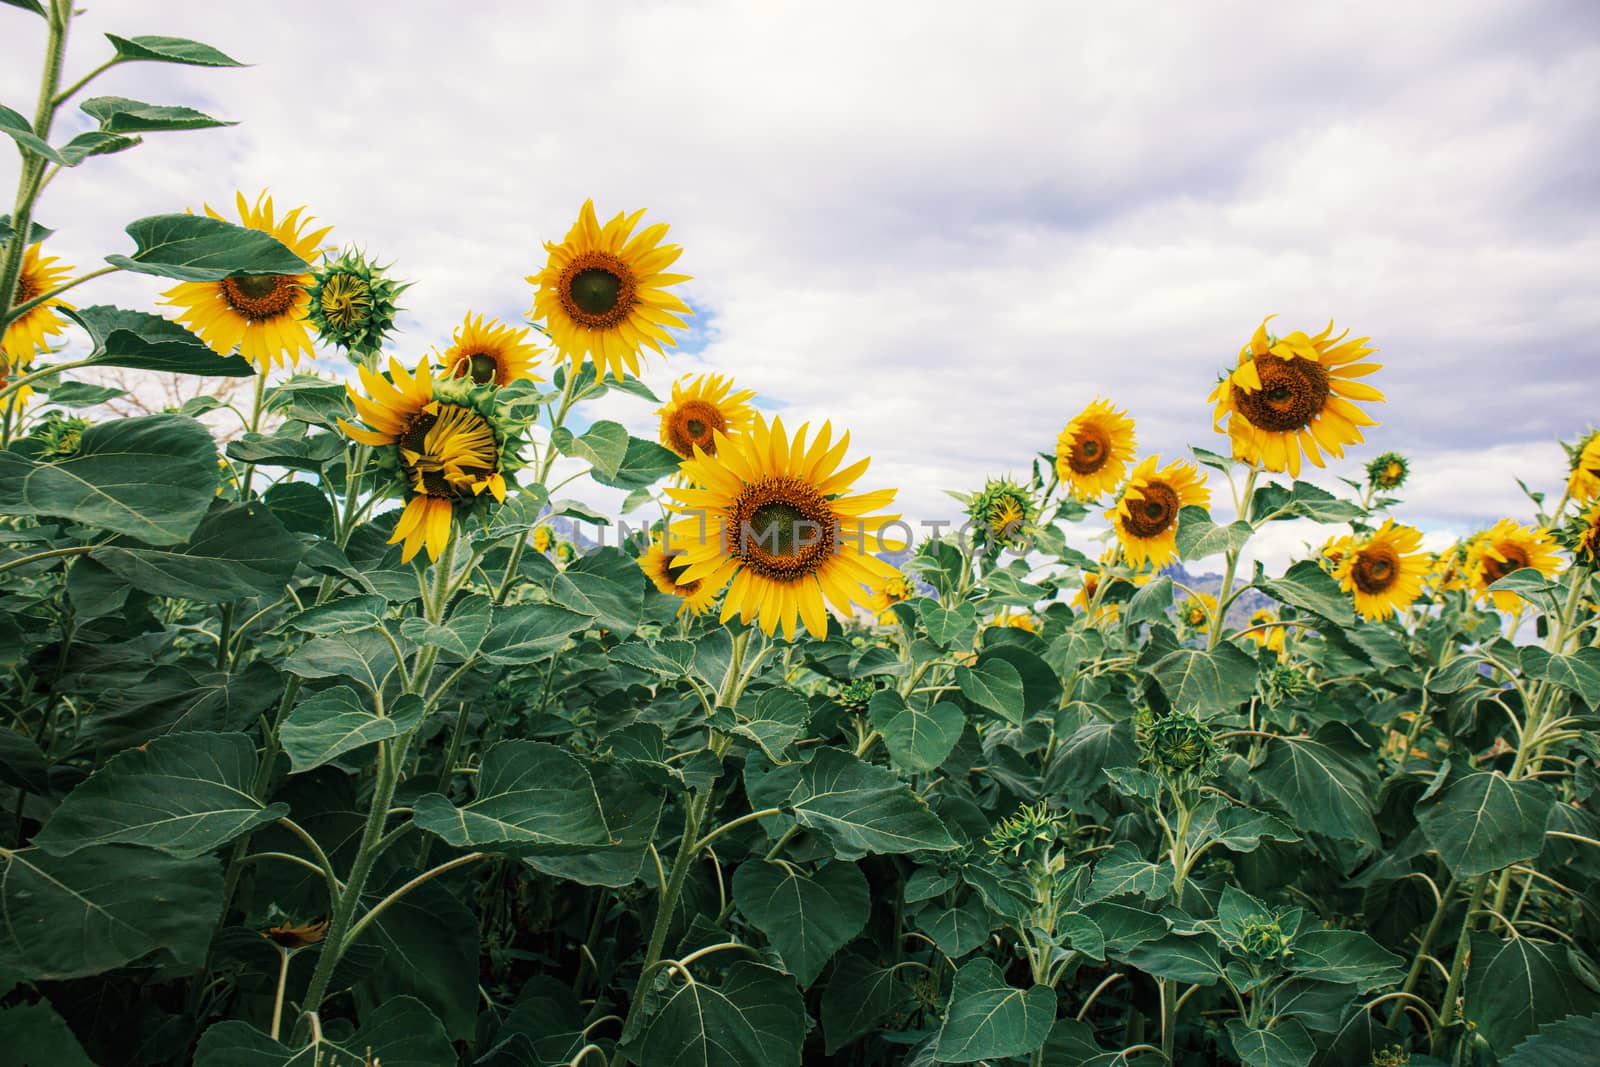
(327, 741)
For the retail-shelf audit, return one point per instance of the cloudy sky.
(944, 226)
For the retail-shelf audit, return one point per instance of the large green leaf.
(294, 449)
(1123, 871)
(530, 795)
(643, 464)
(1577, 671)
(943, 626)
(460, 634)
(169, 50)
(1324, 787)
(987, 1019)
(142, 341)
(859, 995)
(1310, 588)
(1207, 680)
(605, 584)
(994, 686)
(185, 794)
(151, 477)
(35, 1034)
(118, 114)
(1515, 986)
(1194, 958)
(238, 550)
(1150, 604)
(528, 633)
(364, 657)
(69, 916)
(807, 917)
(632, 804)
(198, 248)
(918, 738)
(755, 1016)
(1198, 537)
(957, 928)
(864, 807)
(400, 1033)
(16, 126)
(775, 719)
(429, 941)
(1347, 957)
(603, 446)
(1286, 1044)
(326, 725)
(1485, 821)
(1568, 1042)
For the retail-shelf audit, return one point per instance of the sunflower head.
(603, 292)
(1003, 514)
(543, 539)
(700, 409)
(1262, 939)
(1505, 548)
(264, 316)
(1294, 395)
(856, 694)
(566, 552)
(1015, 620)
(665, 570)
(1388, 471)
(1094, 450)
(1583, 481)
(56, 436)
(1383, 571)
(1179, 744)
(489, 353)
(351, 303)
(1272, 637)
(1582, 536)
(31, 331)
(1196, 611)
(1027, 835)
(1285, 682)
(889, 591)
(292, 936)
(1146, 515)
(1333, 551)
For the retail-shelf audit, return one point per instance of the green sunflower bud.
(353, 304)
(1263, 940)
(1388, 471)
(1179, 744)
(1003, 514)
(58, 436)
(854, 695)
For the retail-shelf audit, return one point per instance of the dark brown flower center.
(1155, 513)
(674, 573)
(1090, 452)
(27, 288)
(1494, 570)
(1376, 569)
(597, 290)
(782, 529)
(481, 367)
(260, 297)
(1292, 393)
(695, 422)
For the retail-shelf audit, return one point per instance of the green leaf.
(987, 1019)
(1207, 680)
(1323, 788)
(859, 996)
(20, 130)
(118, 114)
(1513, 987)
(605, 584)
(603, 446)
(865, 807)
(402, 1032)
(198, 248)
(36, 231)
(1347, 957)
(806, 917)
(461, 632)
(28, 5)
(1304, 501)
(295, 450)
(756, 1016)
(996, 686)
(1150, 604)
(186, 794)
(1194, 958)
(429, 944)
(81, 394)
(1286, 1044)
(94, 143)
(946, 627)
(670, 659)
(149, 342)
(1485, 821)
(1577, 671)
(1530, 585)
(777, 719)
(643, 464)
(530, 795)
(345, 615)
(1568, 1042)
(170, 50)
(631, 803)
(957, 928)
(1198, 537)
(326, 725)
(301, 507)
(1310, 588)
(1123, 871)
(364, 657)
(527, 633)
(151, 477)
(70, 916)
(35, 1034)
(918, 739)
(239, 550)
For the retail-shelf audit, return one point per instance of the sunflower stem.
(253, 427)
(30, 174)
(1224, 594)
(28, 305)
(547, 461)
(42, 372)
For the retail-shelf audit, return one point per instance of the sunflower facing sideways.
(1196, 611)
(1094, 451)
(1295, 394)
(1504, 548)
(602, 294)
(31, 331)
(1146, 515)
(700, 409)
(1383, 571)
(665, 571)
(442, 443)
(489, 353)
(264, 316)
(769, 515)
(1584, 481)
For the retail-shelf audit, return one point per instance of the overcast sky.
(946, 227)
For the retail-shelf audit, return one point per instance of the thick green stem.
(31, 173)
(1225, 594)
(1458, 965)
(1421, 958)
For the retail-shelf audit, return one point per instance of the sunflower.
(543, 539)
(1196, 611)
(665, 570)
(769, 515)
(1015, 620)
(351, 303)
(490, 353)
(1272, 637)
(566, 552)
(887, 592)
(700, 409)
(1146, 515)
(1584, 481)
(1291, 394)
(31, 331)
(297, 935)
(1384, 571)
(1586, 543)
(1002, 514)
(1388, 471)
(263, 315)
(1333, 551)
(1094, 451)
(603, 295)
(445, 449)
(1504, 548)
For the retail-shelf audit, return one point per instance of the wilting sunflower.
(543, 539)
(603, 292)
(665, 571)
(1196, 611)
(1094, 451)
(31, 332)
(1507, 547)
(1388, 471)
(490, 353)
(1584, 481)
(446, 448)
(769, 516)
(1146, 515)
(700, 409)
(263, 315)
(1272, 637)
(887, 592)
(352, 303)
(1291, 394)
(297, 935)
(1384, 571)
(1015, 620)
